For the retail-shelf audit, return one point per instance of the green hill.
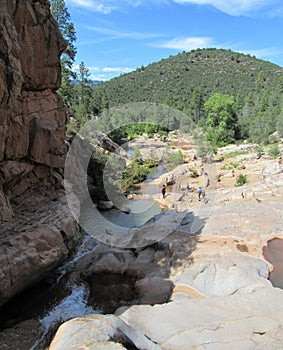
(179, 80)
(197, 83)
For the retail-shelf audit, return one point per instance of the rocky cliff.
(36, 228)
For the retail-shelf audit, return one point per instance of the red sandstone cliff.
(36, 228)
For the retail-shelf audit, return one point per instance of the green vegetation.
(135, 173)
(172, 159)
(230, 166)
(221, 122)
(233, 154)
(241, 180)
(218, 178)
(273, 150)
(259, 151)
(231, 95)
(194, 173)
(131, 131)
(204, 150)
(62, 16)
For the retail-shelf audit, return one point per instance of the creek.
(52, 301)
(59, 297)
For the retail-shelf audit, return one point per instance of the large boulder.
(100, 333)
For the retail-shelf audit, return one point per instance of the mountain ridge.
(177, 78)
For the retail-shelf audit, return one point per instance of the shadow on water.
(132, 219)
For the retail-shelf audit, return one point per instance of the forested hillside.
(201, 84)
(181, 80)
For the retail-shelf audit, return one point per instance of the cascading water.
(52, 304)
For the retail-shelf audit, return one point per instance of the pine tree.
(67, 28)
(85, 93)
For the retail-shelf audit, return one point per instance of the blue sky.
(118, 36)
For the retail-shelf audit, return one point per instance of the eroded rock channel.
(82, 286)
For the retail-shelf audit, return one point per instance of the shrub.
(230, 166)
(241, 180)
(259, 151)
(194, 173)
(273, 150)
(233, 154)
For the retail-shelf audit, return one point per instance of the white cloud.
(117, 69)
(96, 6)
(265, 53)
(233, 7)
(116, 34)
(107, 6)
(276, 12)
(187, 44)
(105, 73)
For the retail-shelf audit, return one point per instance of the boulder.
(154, 290)
(105, 205)
(35, 242)
(227, 275)
(100, 332)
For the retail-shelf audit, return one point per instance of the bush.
(233, 154)
(173, 159)
(259, 151)
(230, 166)
(241, 180)
(194, 173)
(273, 150)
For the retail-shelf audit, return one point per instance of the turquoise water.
(141, 212)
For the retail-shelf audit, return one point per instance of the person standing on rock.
(163, 191)
(199, 193)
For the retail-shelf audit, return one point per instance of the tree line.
(231, 96)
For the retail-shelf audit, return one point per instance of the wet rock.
(125, 209)
(105, 205)
(22, 336)
(154, 290)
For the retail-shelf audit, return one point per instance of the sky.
(118, 36)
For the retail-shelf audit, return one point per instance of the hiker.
(163, 191)
(199, 193)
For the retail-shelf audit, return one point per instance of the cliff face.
(32, 146)
(32, 119)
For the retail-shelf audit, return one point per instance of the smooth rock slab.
(249, 319)
(226, 275)
(98, 332)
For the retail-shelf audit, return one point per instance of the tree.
(84, 99)
(221, 122)
(197, 104)
(67, 28)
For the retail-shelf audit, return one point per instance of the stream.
(52, 301)
(58, 297)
